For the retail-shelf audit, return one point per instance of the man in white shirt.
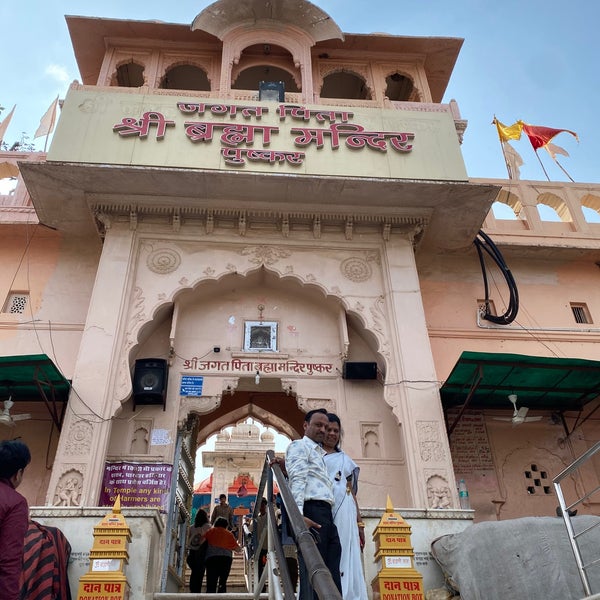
(313, 492)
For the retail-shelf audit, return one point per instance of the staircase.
(236, 586)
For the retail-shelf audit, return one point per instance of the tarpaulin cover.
(541, 383)
(520, 559)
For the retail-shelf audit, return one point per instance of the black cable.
(484, 243)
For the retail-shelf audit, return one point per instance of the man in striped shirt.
(313, 492)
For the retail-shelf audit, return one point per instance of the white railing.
(566, 513)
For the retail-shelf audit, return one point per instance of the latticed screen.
(16, 303)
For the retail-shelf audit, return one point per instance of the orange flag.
(540, 136)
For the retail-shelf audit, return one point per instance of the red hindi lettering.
(130, 126)
(199, 131)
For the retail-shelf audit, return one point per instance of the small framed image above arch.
(260, 336)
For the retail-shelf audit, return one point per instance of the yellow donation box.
(397, 578)
(108, 557)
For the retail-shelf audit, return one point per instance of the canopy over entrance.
(483, 380)
(34, 378)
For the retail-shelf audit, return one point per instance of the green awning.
(557, 384)
(34, 378)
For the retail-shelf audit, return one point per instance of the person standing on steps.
(222, 510)
(343, 472)
(221, 544)
(312, 490)
(197, 550)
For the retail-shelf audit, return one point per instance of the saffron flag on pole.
(4, 124)
(47, 121)
(508, 132)
(540, 136)
(512, 158)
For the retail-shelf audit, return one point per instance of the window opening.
(345, 85)
(536, 481)
(16, 303)
(581, 312)
(186, 77)
(399, 88)
(130, 75)
(491, 307)
(250, 78)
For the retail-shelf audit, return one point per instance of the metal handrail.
(565, 512)
(277, 571)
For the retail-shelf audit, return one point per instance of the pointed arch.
(158, 319)
(557, 204)
(590, 204)
(182, 75)
(346, 82)
(129, 73)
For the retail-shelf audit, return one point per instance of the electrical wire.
(483, 243)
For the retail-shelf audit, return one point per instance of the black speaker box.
(273, 91)
(150, 381)
(359, 370)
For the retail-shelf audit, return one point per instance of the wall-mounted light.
(257, 378)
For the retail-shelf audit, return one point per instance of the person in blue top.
(312, 489)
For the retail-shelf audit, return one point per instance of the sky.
(534, 60)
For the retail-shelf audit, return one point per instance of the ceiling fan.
(7, 419)
(519, 415)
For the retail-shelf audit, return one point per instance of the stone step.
(236, 582)
(189, 596)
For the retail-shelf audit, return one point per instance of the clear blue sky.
(534, 60)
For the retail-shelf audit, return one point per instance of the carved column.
(80, 456)
(418, 407)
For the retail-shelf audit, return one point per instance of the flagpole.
(542, 165)
(503, 152)
(563, 170)
(46, 141)
(506, 161)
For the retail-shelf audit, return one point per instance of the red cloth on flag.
(539, 136)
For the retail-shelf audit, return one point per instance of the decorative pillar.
(85, 434)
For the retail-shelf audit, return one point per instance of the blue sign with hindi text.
(191, 385)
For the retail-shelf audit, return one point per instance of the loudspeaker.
(271, 91)
(150, 381)
(359, 370)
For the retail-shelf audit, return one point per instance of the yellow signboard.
(131, 128)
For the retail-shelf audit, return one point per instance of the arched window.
(130, 75)
(590, 205)
(185, 77)
(249, 78)
(399, 87)
(348, 86)
(552, 208)
(507, 206)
